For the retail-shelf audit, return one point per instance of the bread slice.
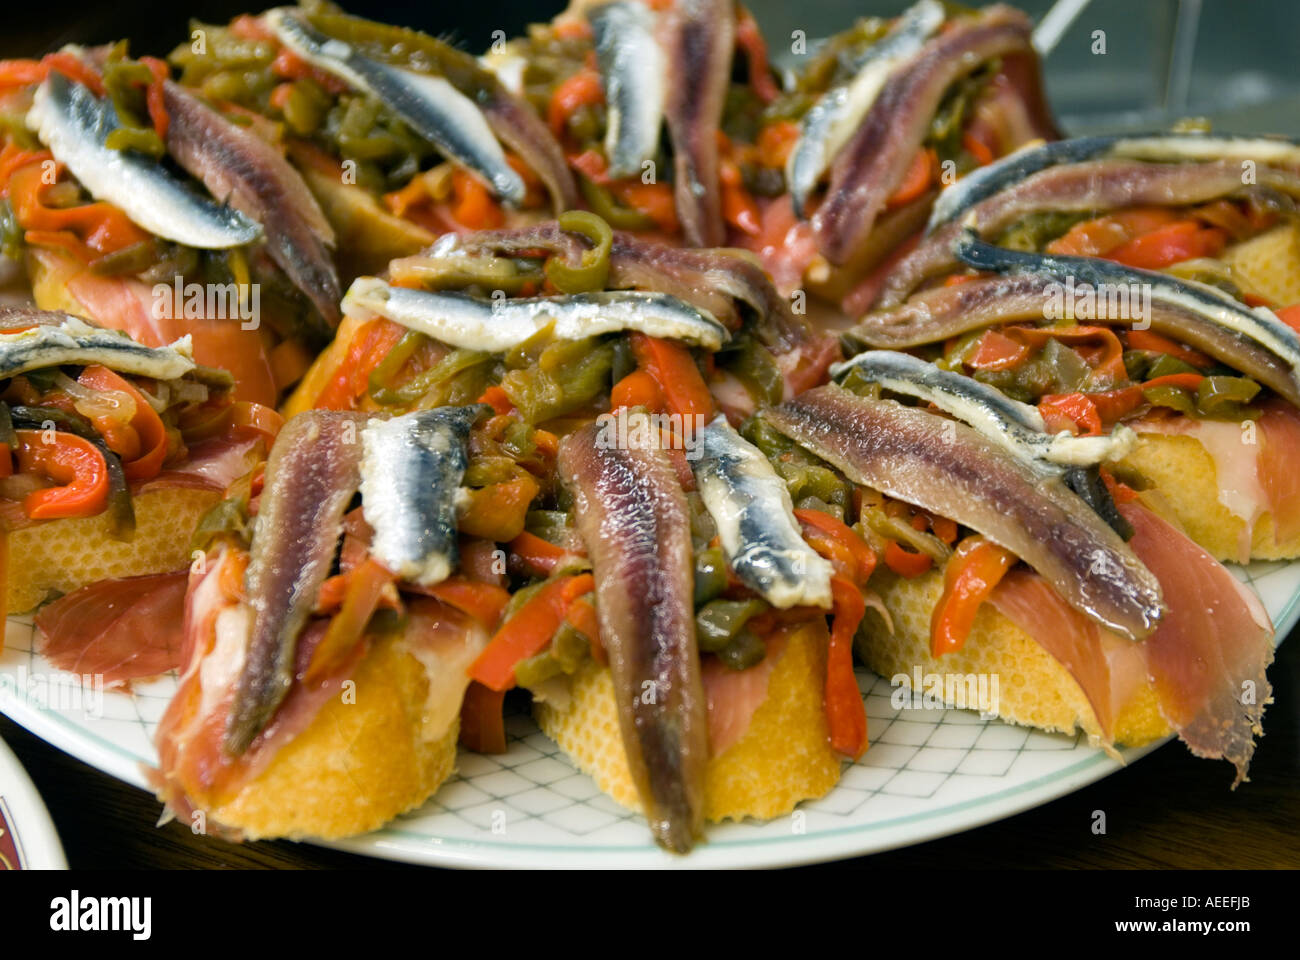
(58, 556)
(1269, 265)
(1184, 474)
(357, 766)
(783, 758)
(1034, 689)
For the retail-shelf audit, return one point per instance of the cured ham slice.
(735, 695)
(1208, 655)
(1279, 467)
(1029, 601)
(122, 629)
(1206, 658)
(194, 770)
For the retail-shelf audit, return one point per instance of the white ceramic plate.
(928, 773)
(28, 840)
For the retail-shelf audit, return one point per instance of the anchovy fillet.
(632, 71)
(498, 325)
(1205, 146)
(632, 515)
(983, 182)
(756, 523)
(873, 163)
(311, 475)
(1106, 183)
(953, 471)
(1255, 326)
(720, 282)
(1016, 426)
(60, 338)
(980, 184)
(410, 473)
(699, 37)
(433, 108)
(74, 124)
(258, 181)
(829, 123)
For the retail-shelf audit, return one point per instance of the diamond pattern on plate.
(928, 772)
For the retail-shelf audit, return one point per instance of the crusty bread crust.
(1269, 265)
(58, 556)
(783, 758)
(1182, 471)
(1034, 689)
(357, 766)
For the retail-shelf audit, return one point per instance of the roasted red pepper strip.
(750, 39)
(150, 448)
(482, 601)
(581, 89)
(540, 556)
(154, 96)
(836, 541)
(69, 460)
(637, 389)
(1155, 343)
(528, 632)
(1076, 408)
(365, 588)
(906, 563)
(101, 227)
(674, 369)
(367, 350)
(846, 715)
(482, 725)
(974, 569)
(1290, 316)
(1173, 243)
(997, 351)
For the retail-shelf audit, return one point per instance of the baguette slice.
(783, 758)
(1034, 689)
(59, 556)
(357, 765)
(1184, 473)
(1269, 265)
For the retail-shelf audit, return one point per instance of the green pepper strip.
(381, 378)
(710, 575)
(1224, 396)
(1170, 396)
(446, 368)
(593, 271)
(719, 621)
(744, 651)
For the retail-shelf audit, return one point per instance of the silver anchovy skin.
(431, 106)
(410, 474)
(495, 326)
(1258, 325)
(1015, 426)
(756, 523)
(76, 341)
(74, 123)
(632, 71)
(982, 183)
(829, 123)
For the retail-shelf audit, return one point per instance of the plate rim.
(392, 843)
(28, 816)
